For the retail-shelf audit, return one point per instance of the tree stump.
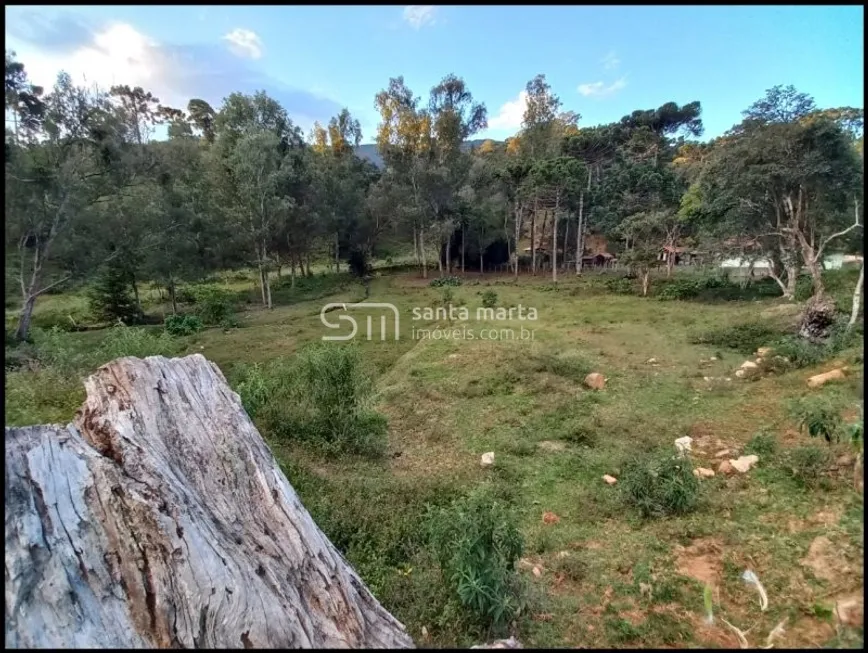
(159, 518)
(818, 318)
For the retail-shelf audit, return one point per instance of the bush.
(440, 282)
(762, 444)
(183, 325)
(214, 306)
(489, 299)
(745, 338)
(477, 543)
(111, 297)
(448, 296)
(660, 484)
(808, 465)
(321, 397)
(621, 286)
(817, 417)
(688, 288)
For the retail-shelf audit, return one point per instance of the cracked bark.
(159, 518)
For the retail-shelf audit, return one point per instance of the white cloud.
(244, 43)
(611, 61)
(511, 113)
(600, 90)
(417, 16)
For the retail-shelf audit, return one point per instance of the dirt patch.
(702, 561)
(825, 560)
(552, 445)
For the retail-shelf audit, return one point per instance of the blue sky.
(603, 62)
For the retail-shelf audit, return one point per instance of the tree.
(54, 177)
(202, 116)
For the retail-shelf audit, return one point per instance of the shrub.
(621, 286)
(214, 306)
(183, 325)
(817, 417)
(111, 297)
(477, 543)
(745, 338)
(489, 299)
(134, 341)
(808, 465)
(660, 484)
(321, 397)
(762, 444)
(448, 296)
(440, 282)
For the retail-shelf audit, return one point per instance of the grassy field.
(599, 574)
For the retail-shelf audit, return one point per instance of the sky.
(603, 62)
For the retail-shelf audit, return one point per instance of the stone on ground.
(487, 459)
(819, 380)
(595, 381)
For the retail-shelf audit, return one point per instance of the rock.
(722, 454)
(683, 445)
(850, 610)
(487, 459)
(424, 632)
(707, 379)
(702, 472)
(740, 374)
(713, 358)
(822, 379)
(726, 468)
(743, 464)
(748, 365)
(512, 642)
(759, 361)
(563, 554)
(595, 381)
(763, 351)
(651, 361)
(550, 518)
(536, 572)
(844, 461)
(818, 318)
(727, 379)
(611, 480)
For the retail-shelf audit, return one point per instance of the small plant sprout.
(751, 578)
(709, 605)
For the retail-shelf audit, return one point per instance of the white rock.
(744, 463)
(702, 472)
(763, 351)
(759, 361)
(740, 374)
(748, 365)
(707, 379)
(683, 444)
(713, 358)
(611, 480)
(651, 361)
(487, 459)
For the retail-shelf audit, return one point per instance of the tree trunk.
(173, 295)
(793, 271)
(857, 297)
(268, 291)
(135, 286)
(566, 241)
(292, 270)
(555, 243)
(337, 253)
(422, 251)
(533, 240)
(646, 282)
(463, 234)
(449, 254)
(415, 246)
(262, 284)
(307, 271)
(160, 519)
(25, 318)
(580, 229)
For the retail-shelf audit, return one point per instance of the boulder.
(487, 459)
(702, 472)
(610, 480)
(748, 365)
(682, 445)
(819, 380)
(740, 374)
(512, 642)
(722, 454)
(818, 318)
(743, 464)
(762, 352)
(595, 381)
(550, 518)
(726, 468)
(850, 610)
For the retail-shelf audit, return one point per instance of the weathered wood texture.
(159, 518)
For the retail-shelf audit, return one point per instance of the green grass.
(449, 401)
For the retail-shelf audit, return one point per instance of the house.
(599, 260)
(678, 255)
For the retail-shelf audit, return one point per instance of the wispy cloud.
(600, 89)
(510, 114)
(417, 16)
(611, 61)
(244, 43)
(118, 53)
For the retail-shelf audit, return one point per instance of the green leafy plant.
(183, 325)
(477, 542)
(448, 296)
(745, 338)
(762, 444)
(214, 306)
(489, 299)
(111, 296)
(660, 484)
(818, 417)
(808, 465)
(440, 282)
(621, 286)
